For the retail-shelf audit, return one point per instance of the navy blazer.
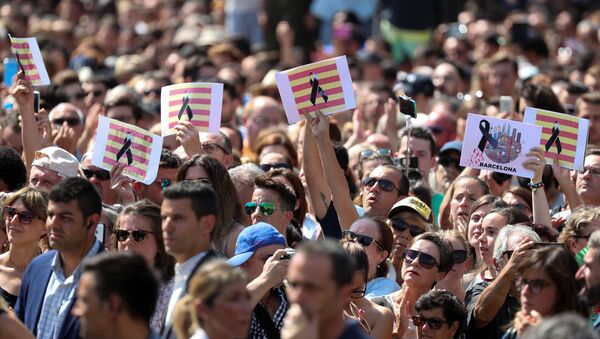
(32, 292)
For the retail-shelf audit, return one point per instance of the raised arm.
(541, 210)
(567, 186)
(23, 94)
(318, 190)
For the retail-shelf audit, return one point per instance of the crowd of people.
(360, 224)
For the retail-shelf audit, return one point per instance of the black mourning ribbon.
(185, 106)
(484, 128)
(126, 149)
(316, 89)
(554, 139)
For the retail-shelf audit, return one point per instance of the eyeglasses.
(77, 96)
(164, 183)
(153, 90)
(202, 180)
(369, 153)
(362, 239)
(70, 121)
(268, 167)
(385, 184)
(433, 323)
(535, 285)
(586, 237)
(138, 235)
(459, 256)
(265, 208)
(447, 161)
(355, 294)
(401, 226)
(24, 217)
(211, 147)
(594, 171)
(425, 260)
(100, 174)
(95, 93)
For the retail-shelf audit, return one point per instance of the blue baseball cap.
(251, 239)
(452, 146)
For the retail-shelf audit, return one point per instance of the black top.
(10, 299)
(353, 331)
(330, 224)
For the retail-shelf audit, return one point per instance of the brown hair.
(276, 136)
(300, 212)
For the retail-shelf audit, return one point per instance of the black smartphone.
(36, 101)
(407, 106)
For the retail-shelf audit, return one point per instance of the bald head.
(261, 113)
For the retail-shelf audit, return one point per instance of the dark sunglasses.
(459, 256)
(432, 323)
(265, 208)
(401, 226)
(100, 174)
(362, 239)
(138, 235)
(154, 90)
(385, 184)
(268, 167)
(211, 147)
(77, 96)
(164, 183)
(95, 93)
(425, 260)
(70, 121)
(24, 217)
(450, 161)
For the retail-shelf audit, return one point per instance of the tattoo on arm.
(324, 199)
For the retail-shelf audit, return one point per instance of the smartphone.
(411, 162)
(36, 101)
(11, 68)
(506, 104)
(289, 253)
(100, 233)
(407, 106)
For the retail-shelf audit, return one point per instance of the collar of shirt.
(185, 268)
(57, 265)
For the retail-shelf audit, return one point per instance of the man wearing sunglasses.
(382, 188)
(272, 202)
(448, 165)
(167, 170)
(439, 315)
(66, 120)
(50, 165)
(100, 178)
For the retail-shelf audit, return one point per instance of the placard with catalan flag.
(325, 85)
(197, 102)
(30, 60)
(118, 142)
(563, 136)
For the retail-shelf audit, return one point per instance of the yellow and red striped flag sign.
(325, 85)
(121, 143)
(30, 60)
(563, 136)
(198, 102)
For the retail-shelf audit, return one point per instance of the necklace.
(16, 267)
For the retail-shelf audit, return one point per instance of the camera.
(409, 167)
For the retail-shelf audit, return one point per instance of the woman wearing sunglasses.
(546, 287)
(138, 229)
(426, 262)
(377, 239)
(206, 169)
(453, 281)
(377, 321)
(24, 214)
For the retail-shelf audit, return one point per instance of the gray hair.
(506, 232)
(245, 174)
(594, 242)
(563, 326)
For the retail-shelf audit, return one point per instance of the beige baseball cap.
(411, 204)
(57, 159)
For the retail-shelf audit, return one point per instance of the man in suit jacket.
(188, 214)
(49, 285)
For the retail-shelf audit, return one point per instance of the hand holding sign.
(30, 60)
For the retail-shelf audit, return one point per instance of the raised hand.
(66, 139)
(122, 184)
(319, 124)
(536, 163)
(188, 137)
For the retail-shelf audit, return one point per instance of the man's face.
(92, 312)
(43, 179)
(589, 272)
(94, 93)
(377, 201)
(75, 95)
(184, 234)
(98, 177)
(153, 192)
(65, 116)
(312, 287)
(152, 88)
(12, 139)
(446, 331)
(421, 149)
(587, 183)
(214, 146)
(265, 114)
(592, 113)
(228, 108)
(122, 113)
(502, 79)
(446, 79)
(254, 266)
(279, 219)
(446, 170)
(65, 226)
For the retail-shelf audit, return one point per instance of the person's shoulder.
(43, 259)
(353, 331)
(380, 312)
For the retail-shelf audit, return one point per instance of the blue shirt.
(380, 287)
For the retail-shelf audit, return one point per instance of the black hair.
(79, 189)
(342, 264)
(286, 194)
(126, 275)
(201, 195)
(446, 259)
(12, 168)
(452, 308)
(169, 159)
(420, 133)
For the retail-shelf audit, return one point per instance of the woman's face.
(475, 230)
(403, 238)
(359, 286)
(466, 192)
(413, 272)
(538, 292)
(196, 172)
(147, 248)
(23, 233)
(374, 253)
(518, 202)
(492, 224)
(230, 313)
(457, 270)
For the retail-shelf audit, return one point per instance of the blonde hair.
(205, 285)
(578, 221)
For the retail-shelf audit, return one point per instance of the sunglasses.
(77, 96)
(154, 90)
(70, 121)
(95, 93)
(202, 180)
(368, 153)
(425, 260)
(355, 294)
(450, 161)
(535, 285)
(24, 217)
(459, 256)
(164, 183)
(211, 147)
(385, 184)
(268, 167)
(265, 208)
(401, 226)
(138, 235)
(433, 323)
(363, 240)
(100, 174)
